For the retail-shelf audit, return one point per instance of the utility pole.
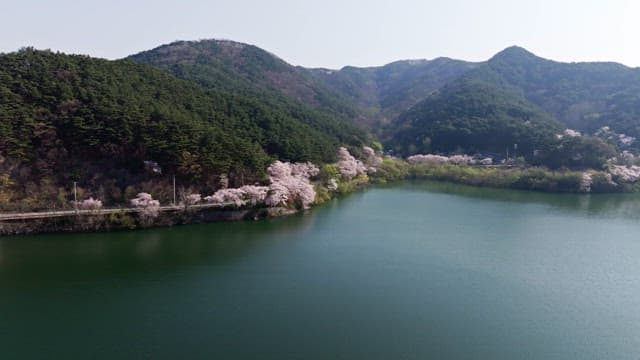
(515, 150)
(75, 196)
(174, 190)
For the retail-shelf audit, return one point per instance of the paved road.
(63, 213)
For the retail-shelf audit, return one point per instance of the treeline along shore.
(292, 187)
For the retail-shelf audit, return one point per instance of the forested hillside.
(583, 96)
(470, 116)
(247, 70)
(204, 109)
(73, 118)
(383, 93)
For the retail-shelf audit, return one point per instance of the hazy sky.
(333, 33)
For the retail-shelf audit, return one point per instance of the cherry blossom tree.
(193, 199)
(278, 195)
(290, 184)
(225, 196)
(585, 182)
(440, 160)
(371, 160)
(348, 165)
(428, 159)
(90, 204)
(625, 173)
(147, 206)
(255, 195)
(247, 195)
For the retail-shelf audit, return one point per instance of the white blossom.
(586, 182)
(290, 184)
(460, 159)
(278, 195)
(348, 166)
(90, 204)
(254, 195)
(625, 173)
(225, 196)
(147, 206)
(332, 185)
(440, 160)
(193, 199)
(486, 161)
(572, 133)
(371, 160)
(307, 170)
(626, 139)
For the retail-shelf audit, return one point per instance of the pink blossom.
(586, 182)
(248, 194)
(90, 204)
(371, 160)
(147, 206)
(193, 199)
(307, 170)
(278, 195)
(279, 170)
(224, 196)
(428, 159)
(440, 160)
(254, 195)
(348, 165)
(290, 184)
(625, 173)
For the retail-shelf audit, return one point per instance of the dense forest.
(470, 117)
(246, 70)
(74, 118)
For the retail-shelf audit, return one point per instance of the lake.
(412, 271)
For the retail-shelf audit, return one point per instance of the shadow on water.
(598, 205)
(31, 261)
(35, 260)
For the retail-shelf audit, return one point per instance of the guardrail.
(63, 213)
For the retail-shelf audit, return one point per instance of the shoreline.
(122, 219)
(131, 220)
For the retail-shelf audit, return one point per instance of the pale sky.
(333, 33)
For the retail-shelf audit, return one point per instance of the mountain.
(363, 96)
(384, 92)
(242, 69)
(67, 117)
(583, 96)
(472, 116)
(200, 109)
(518, 97)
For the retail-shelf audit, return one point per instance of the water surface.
(414, 271)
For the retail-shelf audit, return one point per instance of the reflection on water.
(86, 256)
(601, 205)
(415, 271)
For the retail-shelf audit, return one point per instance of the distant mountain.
(470, 116)
(583, 96)
(383, 93)
(361, 96)
(530, 96)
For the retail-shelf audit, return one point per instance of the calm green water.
(406, 272)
